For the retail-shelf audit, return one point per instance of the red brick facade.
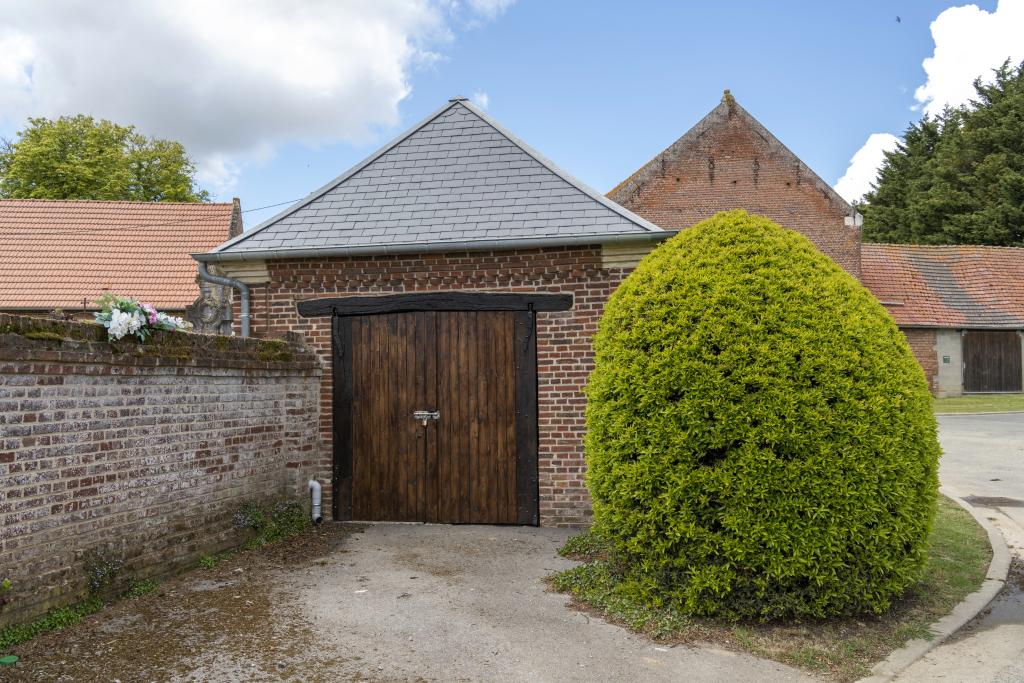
(922, 343)
(730, 161)
(564, 353)
(145, 450)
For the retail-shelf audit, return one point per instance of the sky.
(274, 99)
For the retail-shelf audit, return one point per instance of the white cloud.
(864, 165)
(232, 80)
(489, 9)
(481, 99)
(969, 42)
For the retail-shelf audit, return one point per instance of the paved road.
(983, 461)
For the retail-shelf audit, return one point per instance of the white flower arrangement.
(124, 316)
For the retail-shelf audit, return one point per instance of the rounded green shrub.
(760, 440)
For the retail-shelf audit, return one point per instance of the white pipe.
(314, 490)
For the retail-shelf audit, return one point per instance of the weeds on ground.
(137, 588)
(210, 561)
(841, 649)
(61, 617)
(271, 522)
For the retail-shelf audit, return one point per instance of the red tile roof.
(947, 286)
(56, 253)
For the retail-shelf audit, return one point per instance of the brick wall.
(922, 343)
(144, 448)
(564, 353)
(729, 161)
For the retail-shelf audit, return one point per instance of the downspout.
(314, 511)
(243, 289)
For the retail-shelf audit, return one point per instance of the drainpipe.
(243, 289)
(314, 491)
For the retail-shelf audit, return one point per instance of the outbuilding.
(452, 283)
(961, 308)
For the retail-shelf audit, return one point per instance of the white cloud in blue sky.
(864, 166)
(969, 43)
(481, 99)
(233, 80)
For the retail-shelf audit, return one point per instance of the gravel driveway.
(387, 602)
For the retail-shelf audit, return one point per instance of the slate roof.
(947, 286)
(455, 179)
(55, 253)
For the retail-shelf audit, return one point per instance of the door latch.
(425, 415)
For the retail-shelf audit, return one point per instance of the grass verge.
(980, 403)
(842, 649)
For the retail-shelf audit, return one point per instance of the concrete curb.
(970, 607)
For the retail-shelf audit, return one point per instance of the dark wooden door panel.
(477, 462)
(476, 434)
(992, 361)
(389, 382)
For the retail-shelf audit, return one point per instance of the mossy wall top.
(30, 338)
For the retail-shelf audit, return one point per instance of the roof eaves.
(316, 194)
(434, 247)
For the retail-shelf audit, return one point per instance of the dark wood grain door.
(473, 460)
(992, 361)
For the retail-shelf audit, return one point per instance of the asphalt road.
(983, 462)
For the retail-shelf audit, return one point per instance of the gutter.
(243, 289)
(432, 247)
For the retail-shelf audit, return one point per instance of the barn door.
(435, 417)
(992, 361)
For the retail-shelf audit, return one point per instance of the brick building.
(960, 307)
(730, 161)
(452, 283)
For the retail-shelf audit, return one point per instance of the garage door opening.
(435, 406)
(992, 361)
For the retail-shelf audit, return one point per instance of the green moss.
(44, 336)
(760, 441)
(273, 351)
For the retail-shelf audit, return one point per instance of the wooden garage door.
(992, 361)
(472, 457)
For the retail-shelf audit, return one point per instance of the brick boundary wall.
(564, 351)
(922, 343)
(143, 449)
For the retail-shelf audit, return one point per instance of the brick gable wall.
(731, 164)
(564, 352)
(144, 449)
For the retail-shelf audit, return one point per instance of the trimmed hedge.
(760, 441)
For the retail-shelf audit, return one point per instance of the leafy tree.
(957, 178)
(77, 157)
(760, 439)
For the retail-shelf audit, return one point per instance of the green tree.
(760, 439)
(957, 178)
(78, 157)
